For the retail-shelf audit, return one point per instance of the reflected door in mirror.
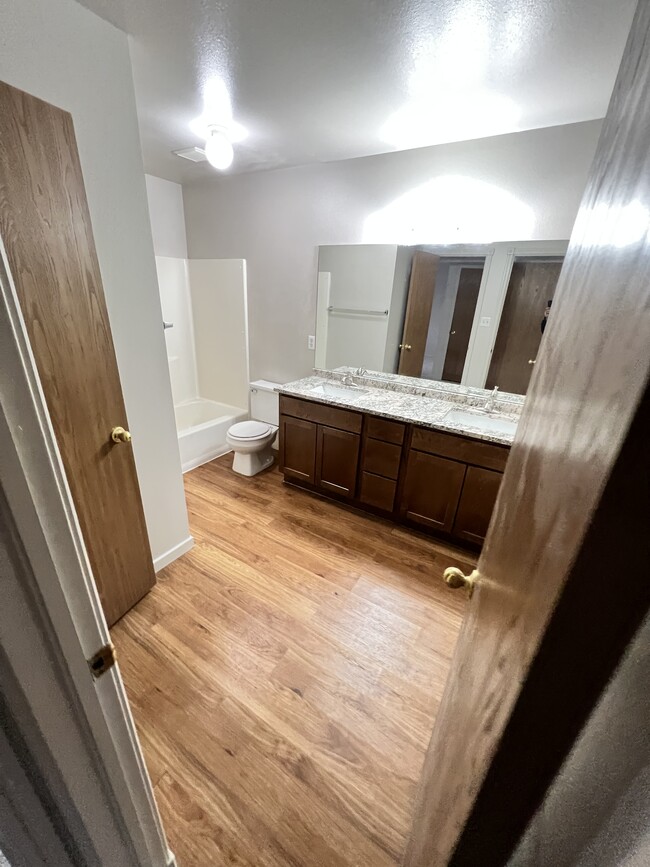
(418, 313)
(469, 283)
(532, 285)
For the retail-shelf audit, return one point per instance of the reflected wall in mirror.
(469, 314)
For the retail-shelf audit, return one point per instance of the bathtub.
(202, 426)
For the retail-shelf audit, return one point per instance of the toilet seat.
(250, 430)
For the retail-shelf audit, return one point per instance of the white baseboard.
(171, 860)
(173, 554)
(205, 458)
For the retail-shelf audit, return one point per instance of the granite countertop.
(416, 401)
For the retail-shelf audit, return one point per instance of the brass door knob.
(455, 579)
(120, 435)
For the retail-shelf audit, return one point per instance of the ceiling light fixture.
(217, 126)
(218, 148)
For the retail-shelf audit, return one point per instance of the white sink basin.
(481, 421)
(329, 389)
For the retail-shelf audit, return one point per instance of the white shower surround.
(207, 350)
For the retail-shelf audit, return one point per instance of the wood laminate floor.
(285, 674)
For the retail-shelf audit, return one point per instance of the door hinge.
(104, 659)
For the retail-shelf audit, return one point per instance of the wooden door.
(337, 458)
(45, 227)
(298, 448)
(418, 313)
(469, 284)
(563, 575)
(532, 285)
(432, 490)
(476, 504)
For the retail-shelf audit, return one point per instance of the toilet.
(252, 441)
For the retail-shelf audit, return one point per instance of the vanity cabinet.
(438, 482)
(320, 445)
(451, 483)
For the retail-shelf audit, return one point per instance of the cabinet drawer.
(332, 416)
(381, 458)
(458, 448)
(377, 491)
(383, 429)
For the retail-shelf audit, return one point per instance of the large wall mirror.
(473, 314)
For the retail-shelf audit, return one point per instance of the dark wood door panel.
(337, 458)
(298, 448)
(418, 312)
(432, 490)
(476, 504)
(549, 620)
(46, 229)
(532, 285)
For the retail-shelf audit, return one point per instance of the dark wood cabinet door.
(477, 501)
(432, 490)
(337, 457)
(298, 448)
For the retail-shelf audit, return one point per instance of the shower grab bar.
(167, 325)
(353, 310)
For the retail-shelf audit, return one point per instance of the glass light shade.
(218, 150)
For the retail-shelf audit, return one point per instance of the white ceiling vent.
(194, 155)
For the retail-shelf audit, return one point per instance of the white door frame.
(77, 732)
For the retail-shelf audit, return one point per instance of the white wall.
(60, 52)
(526, 185)
(167, 217)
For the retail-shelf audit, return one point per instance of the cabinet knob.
(405, 346)
(532, 360)
(455, 579)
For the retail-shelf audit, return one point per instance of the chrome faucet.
(361, 371)
(347, 379)
(489, 403)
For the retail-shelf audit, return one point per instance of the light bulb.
(218, 150)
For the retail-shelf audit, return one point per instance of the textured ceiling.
(320, 80)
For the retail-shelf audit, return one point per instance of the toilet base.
(252, 463)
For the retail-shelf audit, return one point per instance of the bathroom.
(327, 443)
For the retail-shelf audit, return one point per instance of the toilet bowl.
(252, 441)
